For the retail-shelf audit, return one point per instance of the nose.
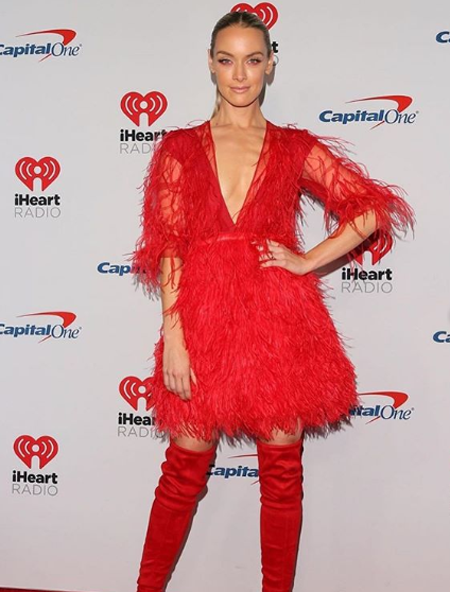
(239, 72)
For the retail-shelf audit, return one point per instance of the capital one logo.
(46, 169)
(44, 448)
(265, 10)
(153, 105)
(443, 37)
(60, 48)
(240, 471)
(56, 331)
(392, 406)
(394, 115)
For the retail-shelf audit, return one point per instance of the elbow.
(170, 269)
(372, 224)
(366, 224)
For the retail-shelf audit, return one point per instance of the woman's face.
(240, 64)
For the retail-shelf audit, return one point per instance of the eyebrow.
(247, 56)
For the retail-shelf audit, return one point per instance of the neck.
(239, 117)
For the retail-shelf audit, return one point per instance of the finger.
(269, 256)
(169, 382)
(268, 263)
(179, 386)
(194, 378)
(174, 385)
(186, 387)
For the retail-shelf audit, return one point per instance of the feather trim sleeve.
(347, 191)
(162, 218)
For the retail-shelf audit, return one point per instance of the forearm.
(172, 328)
(339, 244)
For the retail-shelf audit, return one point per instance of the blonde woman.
(247, 346)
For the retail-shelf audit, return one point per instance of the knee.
(184, 474)
(280, 437)
(194, 444)
(280, 474)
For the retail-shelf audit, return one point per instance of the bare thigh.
(192, 443)
(280, 437)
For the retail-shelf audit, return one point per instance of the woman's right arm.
(158, 256)
(176, 364)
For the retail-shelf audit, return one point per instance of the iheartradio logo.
(265, 10)
(356, 279)
(27, 205)
(153, 105)
(132, 389)
(376, 247)
(46, 169)
(44, 448)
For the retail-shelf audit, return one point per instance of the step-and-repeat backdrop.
(86, 88)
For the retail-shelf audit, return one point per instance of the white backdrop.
(376, 505)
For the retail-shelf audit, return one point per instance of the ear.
(270, 63)
(210, 61)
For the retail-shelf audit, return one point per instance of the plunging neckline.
(216, 173)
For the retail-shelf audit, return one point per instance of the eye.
(223, 60)
(256, 60)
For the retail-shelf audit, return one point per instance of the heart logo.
(265, 10)
(45, 448)
(132, 389)
(153, 104)
(46, 169)
(377, 245)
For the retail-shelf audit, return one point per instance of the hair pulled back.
(243, 19)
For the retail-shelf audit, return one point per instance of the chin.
(241, 101)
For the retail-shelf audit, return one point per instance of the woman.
(247, 347)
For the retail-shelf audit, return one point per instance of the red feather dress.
(261, 340)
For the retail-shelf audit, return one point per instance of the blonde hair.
(243, 19)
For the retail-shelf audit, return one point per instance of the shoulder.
(177, 135)
(297, 137)
(179, 141)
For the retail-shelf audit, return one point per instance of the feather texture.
(347, 191)
(261, 340)
(162, 219)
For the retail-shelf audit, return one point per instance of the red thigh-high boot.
(281, 487)
(184, 475)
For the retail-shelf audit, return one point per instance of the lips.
(240, 88)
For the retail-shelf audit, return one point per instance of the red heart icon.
(265, 10)
(45, 448)
(26, 170)
(376, 245)
(132, 389)
(153, 104)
